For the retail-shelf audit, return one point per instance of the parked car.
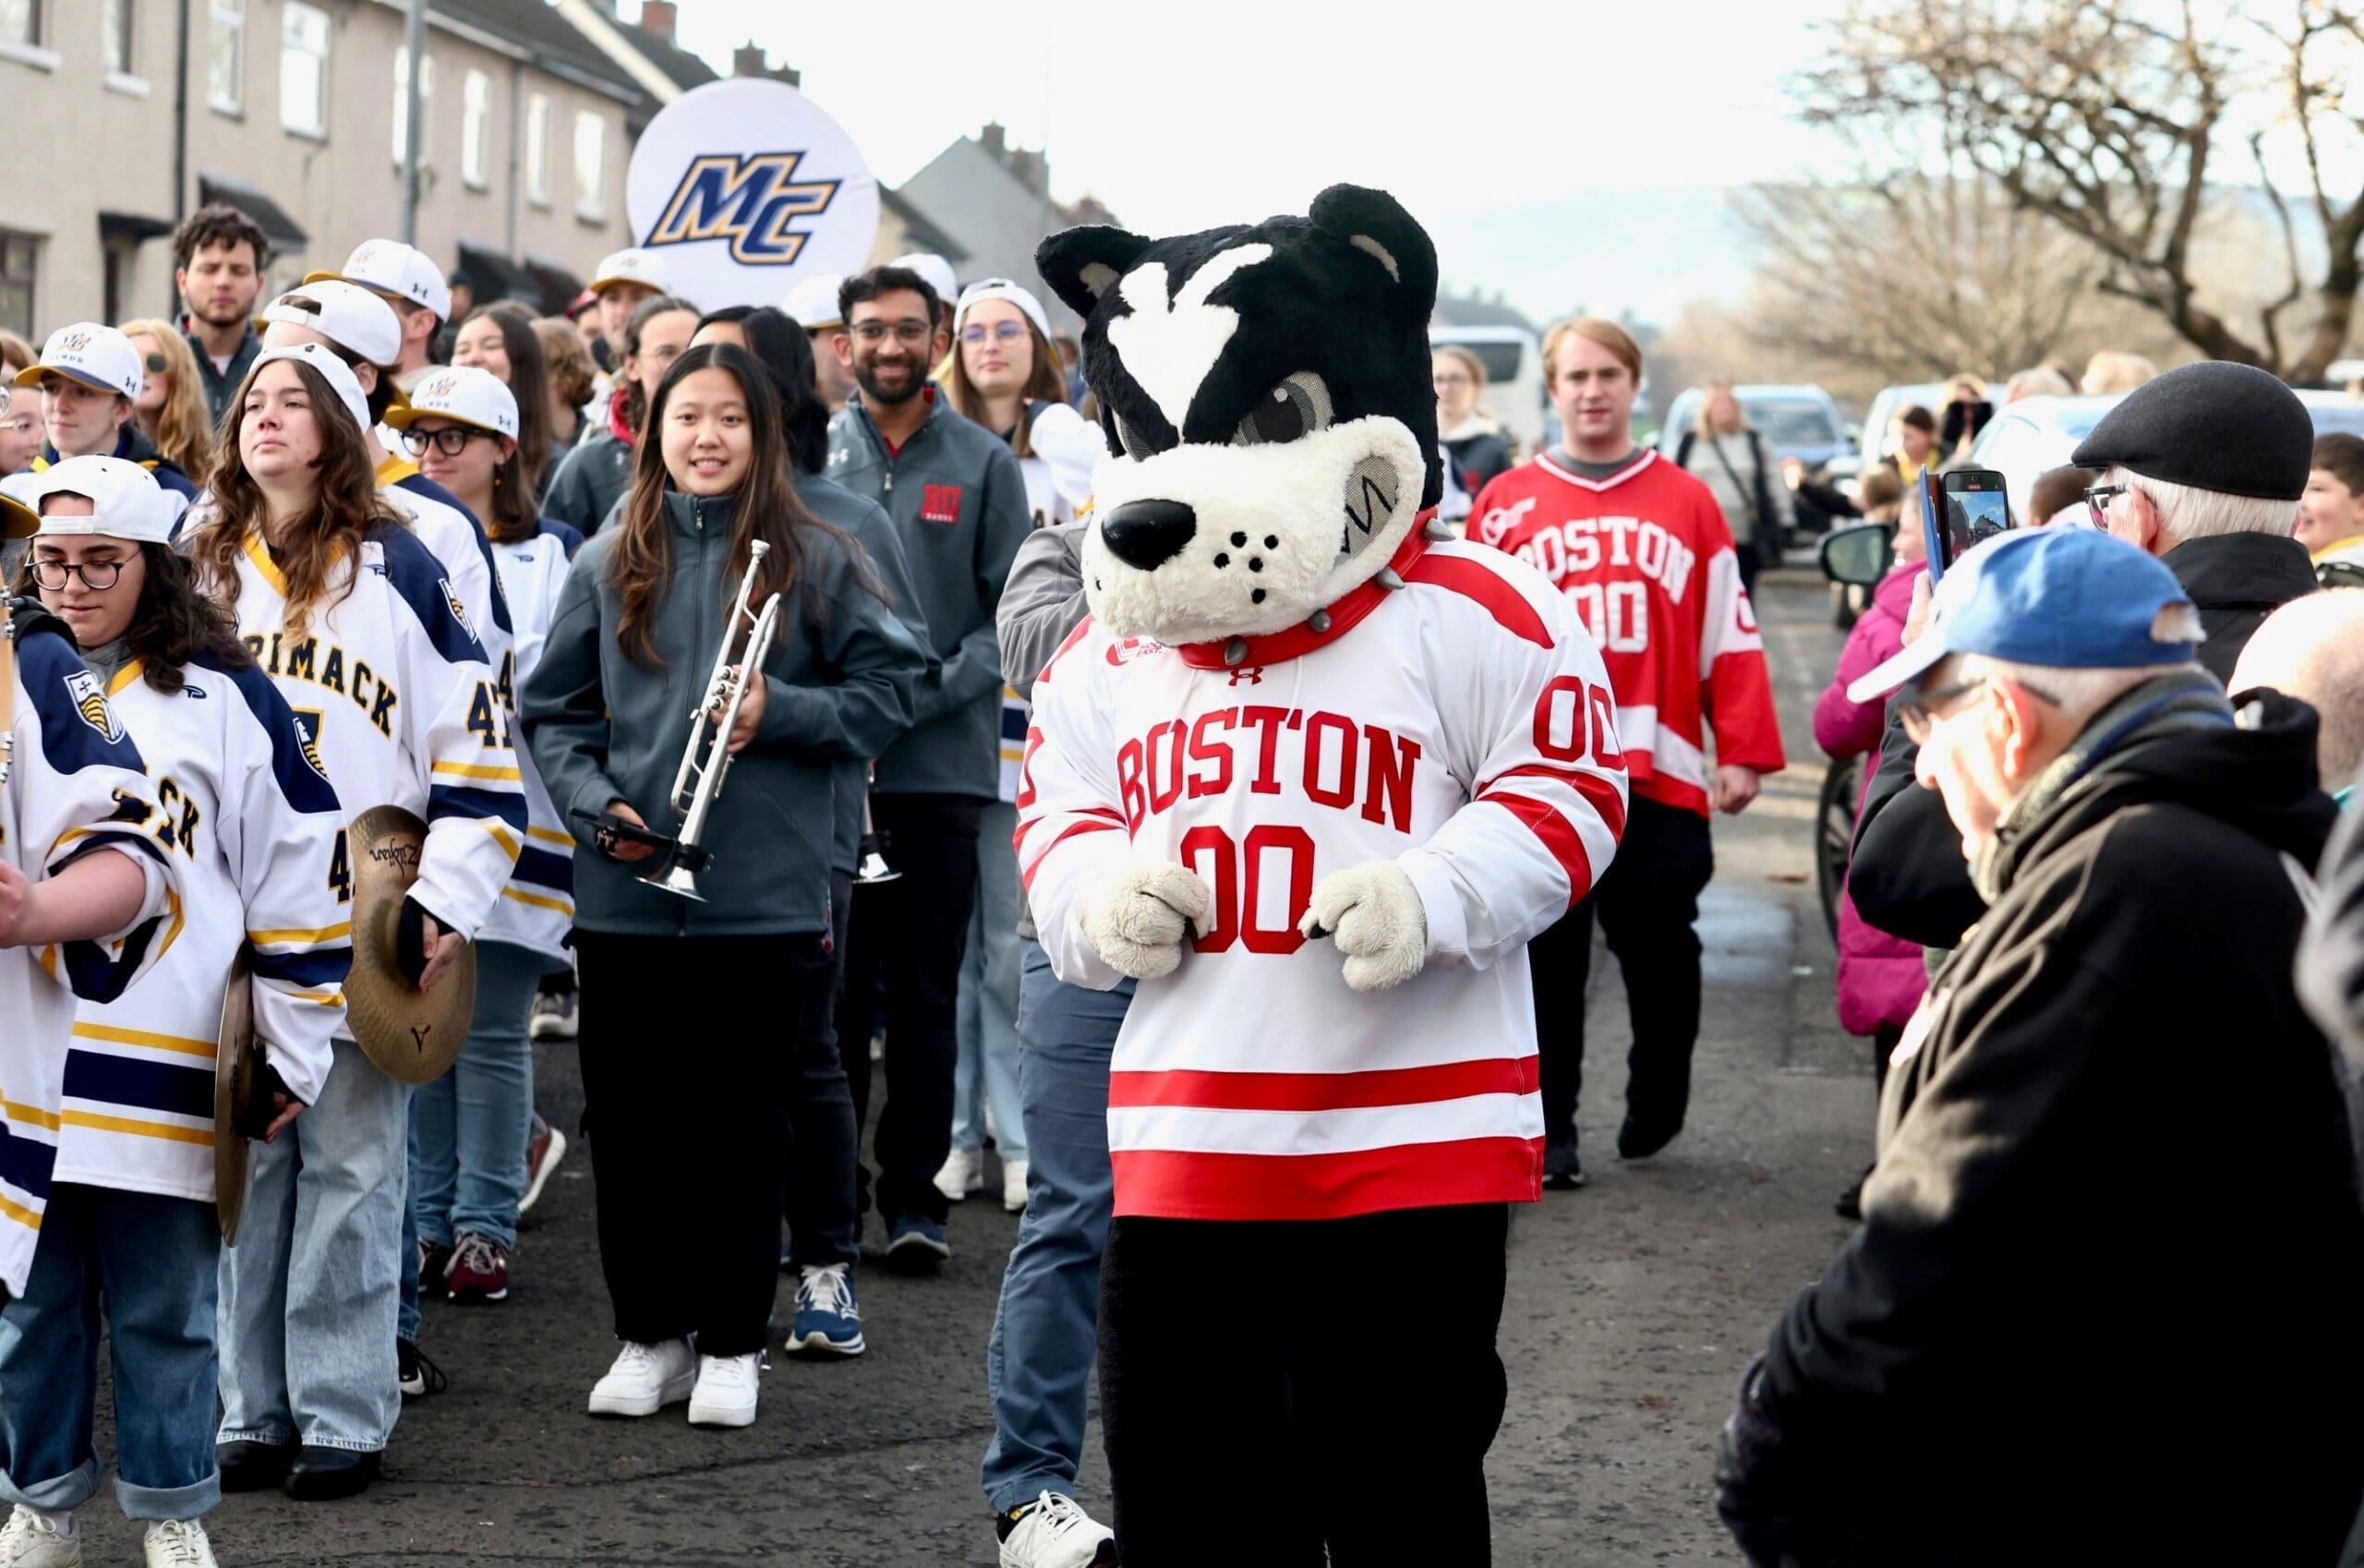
(1513, 394)
(1798, 424)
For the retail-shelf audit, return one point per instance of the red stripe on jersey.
(1673, 792)
(1324, 1091)
(1094, 826)
(1082, 630)
(1173, 1183)
(1599, 793)
(1559, 837)
(1115, 818)
(1468, 578)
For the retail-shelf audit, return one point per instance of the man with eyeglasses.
(957, 499)
(2203, 468)
(2048, 1342)
(90, 378)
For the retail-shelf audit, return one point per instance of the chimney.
(991, 139)
(657, 16)
(747, 60)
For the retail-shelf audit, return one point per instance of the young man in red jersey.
(1642, 550)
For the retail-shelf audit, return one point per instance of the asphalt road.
(1634, 1303)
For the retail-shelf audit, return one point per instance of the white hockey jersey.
(75, 783)
(454, 538)
(1462, 727)
(537, 909)
(401, 707)
(245, 808)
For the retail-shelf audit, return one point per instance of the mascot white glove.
(1375, 915)
(1134, 916)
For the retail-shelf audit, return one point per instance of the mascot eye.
(1299, 405)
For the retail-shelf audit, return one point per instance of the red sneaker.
(479, 1269)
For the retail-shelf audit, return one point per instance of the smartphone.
(1961, 510)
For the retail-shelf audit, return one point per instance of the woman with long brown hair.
(500, 339)
(688, 1162)
(171, 402)
(350, 616)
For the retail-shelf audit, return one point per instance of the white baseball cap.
(465, 394)
(814, 303)
(353, 318)
(933, 268)
(19, 518)
(389, 268)
(89, 353)
(1002, 289)
(635, 266)
(336, 371)
(125, 502)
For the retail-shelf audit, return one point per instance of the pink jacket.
(1880, 977)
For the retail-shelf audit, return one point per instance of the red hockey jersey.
(1646, 559)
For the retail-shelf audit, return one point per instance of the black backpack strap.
(1683, 450)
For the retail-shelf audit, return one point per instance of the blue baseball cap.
(2068, 599)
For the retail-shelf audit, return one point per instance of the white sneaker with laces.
(1013, 1186)
(645, 1379)
(37, 1539)
(963, 1173)
(725, 1391)
(1052, 1532)
(178, 1543)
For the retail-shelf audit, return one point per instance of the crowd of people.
(469, 563)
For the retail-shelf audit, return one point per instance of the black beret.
(2214, 426)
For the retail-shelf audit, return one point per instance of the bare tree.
(2120, 121)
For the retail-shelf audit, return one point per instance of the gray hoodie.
(1041, 603)
(957, 502)
(838, 687)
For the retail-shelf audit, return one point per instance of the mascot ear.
(1377, 225)
(1082, 264)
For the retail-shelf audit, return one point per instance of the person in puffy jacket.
(1881, 978)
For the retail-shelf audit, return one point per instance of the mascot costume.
(1314, 772)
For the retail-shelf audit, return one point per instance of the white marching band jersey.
(397, 698)
(75, 783)
(245, 810)
(537, 909)
(454, 538)
(1462, 727)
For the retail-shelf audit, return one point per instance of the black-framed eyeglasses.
(913, 331)
(450, 441)
(2097, 500)
(1919, 711)
(97, 575)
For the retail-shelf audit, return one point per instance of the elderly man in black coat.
(2059, 1335)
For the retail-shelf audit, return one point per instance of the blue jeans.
(1038, 1364)
(986, 1067)
(468, 1129)
(150, 1261)
(309, 1293)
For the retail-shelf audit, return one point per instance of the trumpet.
(705, 761)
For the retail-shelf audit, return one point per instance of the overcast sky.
(1220, 111)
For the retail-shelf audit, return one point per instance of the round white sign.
(741, 188)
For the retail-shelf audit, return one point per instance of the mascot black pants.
(1647, 904)
(1233, 1349)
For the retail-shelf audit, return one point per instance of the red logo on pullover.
(940, 504)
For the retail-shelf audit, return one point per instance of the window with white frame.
(304, 68)
(115, 31)
(476, 130)
(402, 107)
(225, 56)
(590, 166)
(538, 148)
(21, 22)
(20, 260)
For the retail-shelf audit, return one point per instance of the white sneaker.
(645, 1379)
(37, 1540)
(178, 1543)
(1052, 1532)
(962, 1174)
(1013, 1186)
(725, 1391)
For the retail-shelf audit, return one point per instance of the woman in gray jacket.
(689, 1146)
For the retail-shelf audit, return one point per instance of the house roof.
(684, 69)
(553, 42)
(925, 233)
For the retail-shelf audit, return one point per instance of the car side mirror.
(1859, 555)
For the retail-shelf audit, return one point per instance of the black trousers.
(691, 1128)
(1358, 1444)
(905, 940)
(1746, 557)
(1648, 905)
(824, 1146)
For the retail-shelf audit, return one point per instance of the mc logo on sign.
(748, 197)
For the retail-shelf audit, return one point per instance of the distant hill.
(1611, 252)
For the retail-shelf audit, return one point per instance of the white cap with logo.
(463, 394)
(814, 303)
(346, 313)
(92, 354)
(633, 265)
(336, 371)
(395, 271)
(1008, 293)
(935, 269)
(17, 518)
(125, 502)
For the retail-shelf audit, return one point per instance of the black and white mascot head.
(1270, 414)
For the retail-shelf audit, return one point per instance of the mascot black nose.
(1148, 534)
